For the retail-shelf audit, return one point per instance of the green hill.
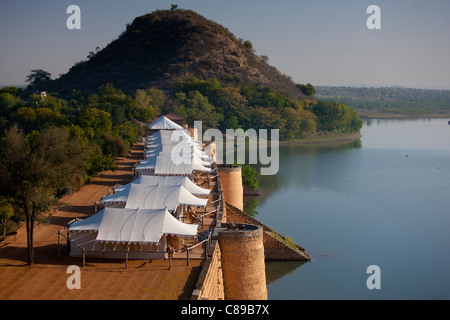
(176, 61)
(159, 48)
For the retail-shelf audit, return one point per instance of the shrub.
(115, 147)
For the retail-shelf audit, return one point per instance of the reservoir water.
(383, 200)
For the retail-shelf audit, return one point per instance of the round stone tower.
(231, 180)
(243, 266)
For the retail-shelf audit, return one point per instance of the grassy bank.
(323, 137)
(364, 114)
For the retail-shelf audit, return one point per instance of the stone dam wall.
(211, 282)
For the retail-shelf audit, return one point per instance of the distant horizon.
(316, 85)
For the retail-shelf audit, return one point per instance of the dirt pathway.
(100, 279)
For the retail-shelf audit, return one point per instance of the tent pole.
(59, 245)
(205, 246)
(84, 256)
(170, 258)
(187, 258)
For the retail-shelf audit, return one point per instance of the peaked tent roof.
(163, 123)
(147, 164)
(171, 137)
(167, 180)
(166, 141)
(90, 224)
(133, 225)
(155, 197)
(165, 166)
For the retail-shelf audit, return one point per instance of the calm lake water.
(383, 200)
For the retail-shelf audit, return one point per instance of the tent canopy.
(147, 164)
(165, 166)
(163, 123)
(165, 137)
(154, 197)
(168, 180)
(166, 141)
(133, 225)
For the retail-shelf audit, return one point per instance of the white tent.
(165, 141)
(165, 166)
(133, 226)
(154, 196)
(147, 164)
(164, 137)
(152, 152)
(191, 153)
(163, 123)
(167, 180)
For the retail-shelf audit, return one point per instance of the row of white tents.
(140, 216)
(173, 152)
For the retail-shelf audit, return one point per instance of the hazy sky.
(325, 42)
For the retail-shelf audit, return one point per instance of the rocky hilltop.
(158, 49)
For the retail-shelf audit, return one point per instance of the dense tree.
(336, 117)
(205, 87)
(307, 89)
(47, 117)
(11, 90)
(114, 146)
(45, 101)
(98, 162)
(127, 132)
(196, 106)
(95, 122)
(25, 117)
(76, 132)
(120, 106)
(6, 213)
(8, 103)
(248, 44)
(257, 107)
(38, 78)
(249, 176)
(144, 101)
(32, 171)
(297, 123)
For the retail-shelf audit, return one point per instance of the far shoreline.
(401, 116)
(326, 137)
(322, 138)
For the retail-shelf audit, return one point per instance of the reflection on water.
(300, 168)
(276, 270)
(297, 171)
(363, 203)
